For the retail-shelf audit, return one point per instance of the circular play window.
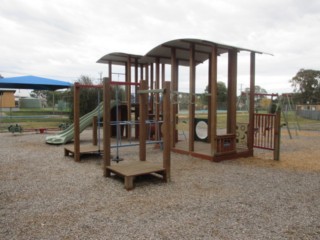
(201, 130)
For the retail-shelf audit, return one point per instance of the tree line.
(306, 90)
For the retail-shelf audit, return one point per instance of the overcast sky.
(63, 39)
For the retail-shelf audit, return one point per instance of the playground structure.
(216, 145)
(190, 53)
(239, 139)
(128, 171)
(131, 170)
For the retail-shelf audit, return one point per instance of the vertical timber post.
(95, 130)
(157, 100)
(213, 99)
(166, 131)
(251, 103)
(76, 121)
(143, 110)
(277, 136)
(232, 92)
(192, 98)
(174, 85)
(106, 126)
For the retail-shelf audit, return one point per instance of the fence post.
(277, 136)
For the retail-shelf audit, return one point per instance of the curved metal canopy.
(163, 53)
(119, 58)
(203, 49)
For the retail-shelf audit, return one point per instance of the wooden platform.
(203, 150)
(84, 149)
(130, 170)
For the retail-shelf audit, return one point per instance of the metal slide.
(85, 121)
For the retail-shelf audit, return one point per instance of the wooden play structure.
(189, 53)
(126, 170)
(133, 169)
(149, 97)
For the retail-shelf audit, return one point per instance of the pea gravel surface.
(45, 195)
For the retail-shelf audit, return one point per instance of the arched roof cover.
(119, 58)
(32, 82)
(182, 46)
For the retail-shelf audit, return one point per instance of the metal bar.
(151, 91)
(135, 144)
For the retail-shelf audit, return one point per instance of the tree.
(89, 96)
(50, 98)
(307, 84)
(222, 92)
(257, 89)
(258, 98)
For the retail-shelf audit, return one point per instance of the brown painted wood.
(95, 130)
(134, 169)
(84, 149)
(151, 84)
(128, 97)
(76, 121)
(213, 99)
(251, 102)
(173, 108)
(277, 136)
(163, 74)
(192, 86)
(232, 92)
(166, 131)
(157, 98)
(106, 126)
(143, 109)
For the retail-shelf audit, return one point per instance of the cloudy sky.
(63, 39)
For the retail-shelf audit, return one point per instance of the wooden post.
(151, 84)
(110, 70)
(192, 84)
(143, 110)
(174, 69)
(141, 72)
(128, 93)
(232, 92)
(106, 126)
(251, 103)
(213, 99)
(277, 136)
(136, 114)
(157, 100)
(95, 130)
(209, 99)
(166, 131)
(163, 74)
(76, 121)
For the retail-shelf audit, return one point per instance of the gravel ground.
(44, 195)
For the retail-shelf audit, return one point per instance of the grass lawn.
(46, 118)
(33, 118)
